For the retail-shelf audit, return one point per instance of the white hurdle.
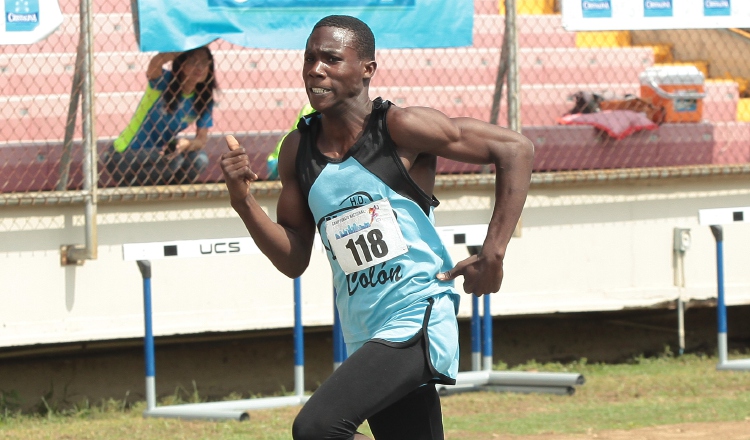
(470, 235)
(482, 377)
(142, 254)
(714, 218)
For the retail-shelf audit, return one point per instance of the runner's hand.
(482, 275)
(235, 164)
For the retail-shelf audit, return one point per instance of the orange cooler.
(679, 89)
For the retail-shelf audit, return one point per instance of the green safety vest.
(306, 110)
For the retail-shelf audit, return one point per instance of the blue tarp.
(169, 25)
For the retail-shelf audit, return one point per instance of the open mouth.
(319, 90)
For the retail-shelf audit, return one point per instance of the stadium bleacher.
(261, 94)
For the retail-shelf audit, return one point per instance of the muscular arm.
(288, 241)
(418, 130)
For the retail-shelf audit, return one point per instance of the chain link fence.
(590, 101)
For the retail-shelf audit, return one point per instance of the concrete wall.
(583, 247)
(261, 363)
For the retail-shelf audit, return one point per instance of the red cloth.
(618, 124)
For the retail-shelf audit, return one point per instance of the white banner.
(610, 15)
(28, 21)
(189, 249)
(723, 216)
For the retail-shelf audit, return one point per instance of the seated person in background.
(273, 158)
(148, 151)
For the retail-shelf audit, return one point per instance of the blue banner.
(306, 3)
(169, 25)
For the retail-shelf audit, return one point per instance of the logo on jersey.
(349, 202)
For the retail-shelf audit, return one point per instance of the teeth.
(319, 91)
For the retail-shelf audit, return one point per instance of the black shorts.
(387, 384)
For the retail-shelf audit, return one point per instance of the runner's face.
(332, 71)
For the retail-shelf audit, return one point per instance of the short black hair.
(363, 36)
(204, 89)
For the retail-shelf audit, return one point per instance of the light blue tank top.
(386, 301)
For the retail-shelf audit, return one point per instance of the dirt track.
(688, 431)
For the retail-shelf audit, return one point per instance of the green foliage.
(10, 403)
(233, 396)
(181, 396)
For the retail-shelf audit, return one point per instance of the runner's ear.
(369, 69)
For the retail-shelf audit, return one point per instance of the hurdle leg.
(476, 331)
(148, 341)
(339, 348)
(721, 309)
(299, 344)
(487, 335)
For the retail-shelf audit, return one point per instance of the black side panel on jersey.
(381, 158)
(309, 165)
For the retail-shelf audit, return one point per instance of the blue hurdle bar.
(487, 335)
(714, 218)
(299, 341)
(236, 409)
(721, 308)
(482, 377)
(148, 339)
(339, 348)
(476, 331)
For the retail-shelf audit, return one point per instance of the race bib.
(365, 236)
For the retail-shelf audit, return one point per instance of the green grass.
(645, 392)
